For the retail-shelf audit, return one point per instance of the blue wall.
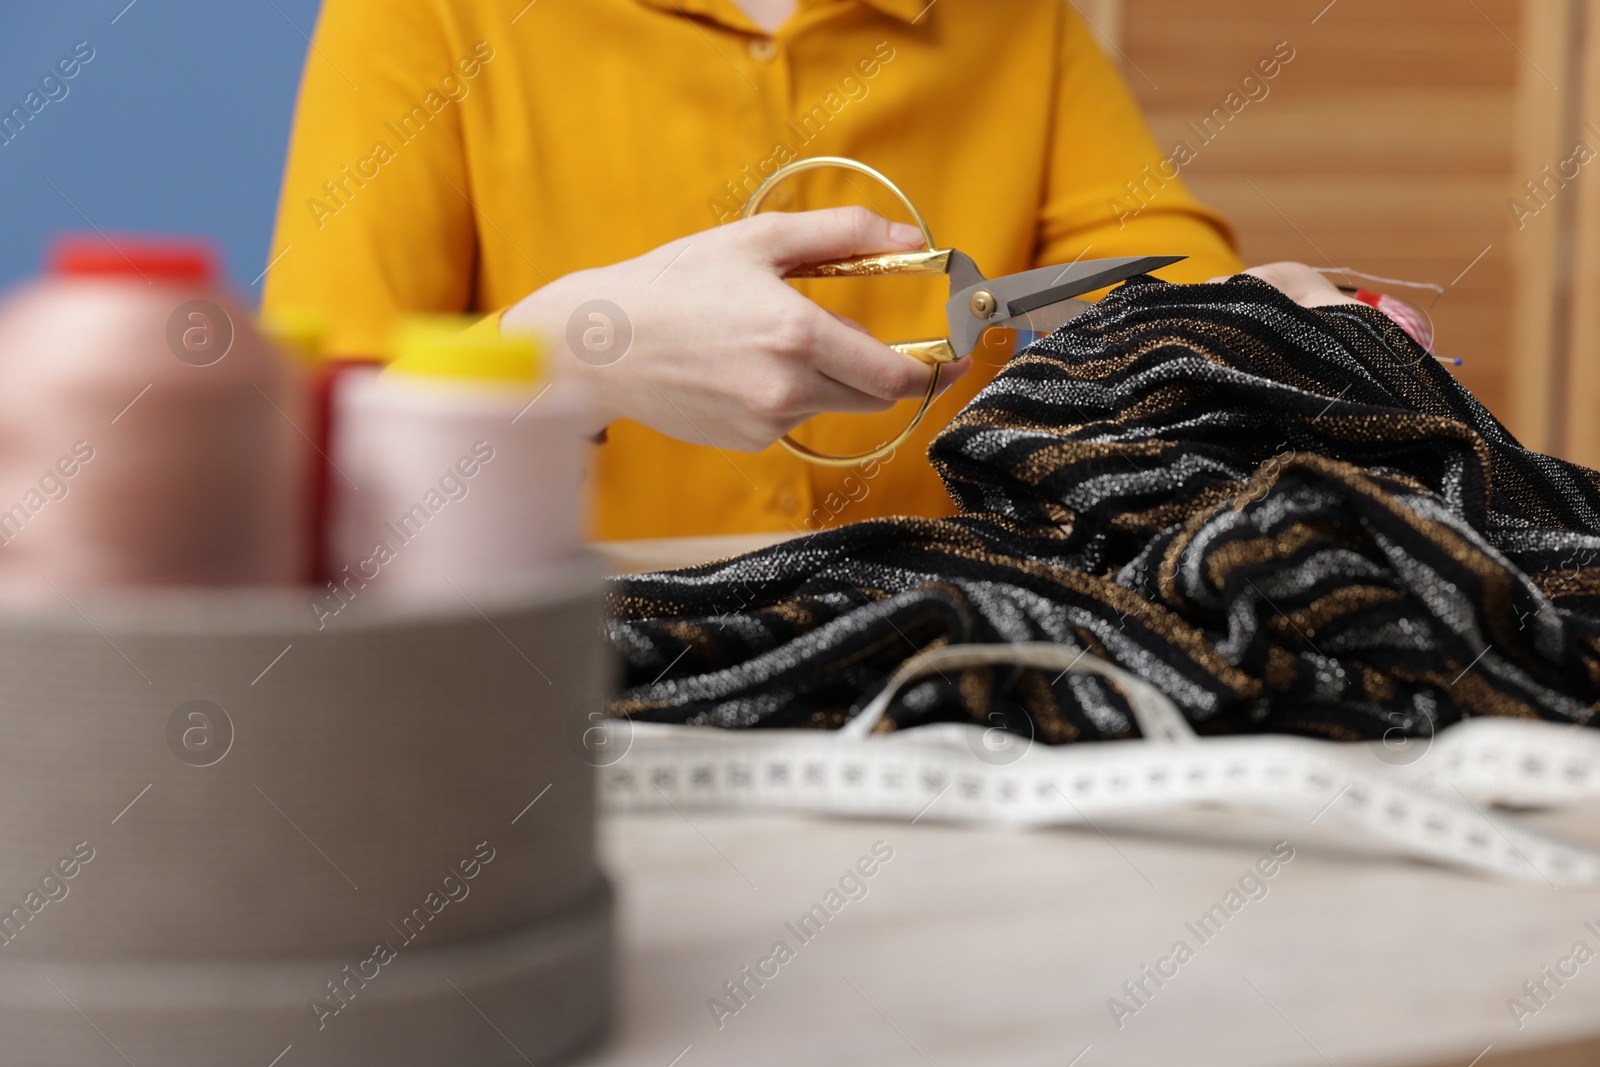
(177, 125)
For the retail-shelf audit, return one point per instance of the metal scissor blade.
(1014, 295)
(1047, 318)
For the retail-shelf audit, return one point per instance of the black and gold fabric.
(1287, 519)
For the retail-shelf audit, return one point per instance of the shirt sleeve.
(374, 217)
(1099, 146)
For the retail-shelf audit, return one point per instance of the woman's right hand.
(723, 351)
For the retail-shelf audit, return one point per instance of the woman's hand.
(724, 351)
(1299, 283)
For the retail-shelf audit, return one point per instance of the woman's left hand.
(1299, 283)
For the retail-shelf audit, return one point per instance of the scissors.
(1039, 300)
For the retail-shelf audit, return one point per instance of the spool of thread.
(458, 465)
(1408, 318)
(149, 432)
(300, 332)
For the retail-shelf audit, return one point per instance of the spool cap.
(466, 350)
(300, 331)
(166, 259)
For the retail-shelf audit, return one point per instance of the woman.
(523, 160)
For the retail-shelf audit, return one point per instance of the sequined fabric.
(1287, 519)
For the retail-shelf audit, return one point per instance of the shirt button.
(762, 49)
(788, 501)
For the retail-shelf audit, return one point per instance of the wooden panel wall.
(1558, 273)
(1580, 401)
(1384, 145)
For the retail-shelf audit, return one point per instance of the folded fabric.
(1286, 519)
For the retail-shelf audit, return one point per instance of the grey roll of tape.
(396, 828)
(1433, 806)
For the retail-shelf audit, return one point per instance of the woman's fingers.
(788, 240)
(871, 376)
(950, 373)
(867, 365)
(1305, 286)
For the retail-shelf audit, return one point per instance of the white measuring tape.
(1427, 798)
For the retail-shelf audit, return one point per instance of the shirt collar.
(904, 10)
(729, 14)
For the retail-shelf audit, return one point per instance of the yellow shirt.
(455, 155)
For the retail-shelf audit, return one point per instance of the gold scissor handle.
(934, 351)
(929, 260)
(925, 261)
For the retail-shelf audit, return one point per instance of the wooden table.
(631, 557)
(984, 946)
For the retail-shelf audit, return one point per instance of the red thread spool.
(150, 432)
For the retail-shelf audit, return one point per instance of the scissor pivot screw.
(982, 303)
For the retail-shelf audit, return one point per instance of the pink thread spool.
(458, 468)
(147, 433)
